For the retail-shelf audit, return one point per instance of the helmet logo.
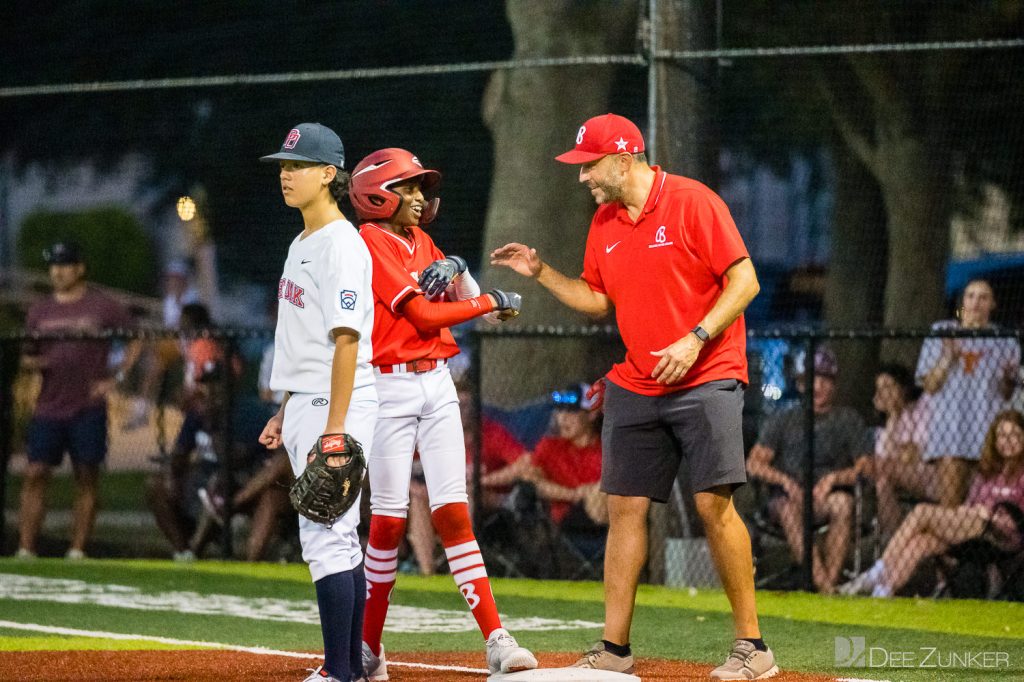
(292, 139)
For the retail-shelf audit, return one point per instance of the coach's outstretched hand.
(507, 303)
(519, 257)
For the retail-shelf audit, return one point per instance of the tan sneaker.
(600, 659)
(745, 662)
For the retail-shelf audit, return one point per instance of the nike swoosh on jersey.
(304, 262)
(608, 249)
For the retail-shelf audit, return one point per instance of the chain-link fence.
(912, 482)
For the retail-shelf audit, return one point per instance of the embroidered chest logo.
(288, 290)
(659, 239)
(971, 359)
(348, 299)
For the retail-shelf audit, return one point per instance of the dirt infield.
(94, 666)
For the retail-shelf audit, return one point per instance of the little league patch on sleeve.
(348, 299)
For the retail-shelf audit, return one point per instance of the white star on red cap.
(621, 144)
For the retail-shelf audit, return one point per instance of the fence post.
(227, 405)
(475, 347)
(808, 566)
(7, 359)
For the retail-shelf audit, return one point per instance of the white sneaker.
(320, 675)
(75, 555)
(504, 655)
(185, 556)
(374, 667)
(25, 554)
(865, 582)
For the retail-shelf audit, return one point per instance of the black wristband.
(700, 333)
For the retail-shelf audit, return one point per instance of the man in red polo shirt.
(664, 251)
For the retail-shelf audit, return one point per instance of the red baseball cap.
(603, 135)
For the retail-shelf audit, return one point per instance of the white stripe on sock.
(381, 554)
(471, 574)
(459, 550)
(374, 577)
(474, 559)
(374, 565)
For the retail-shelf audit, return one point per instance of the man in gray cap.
(842, 451)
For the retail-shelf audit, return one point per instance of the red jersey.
(397, 264)
(568, 465)
(663, 273)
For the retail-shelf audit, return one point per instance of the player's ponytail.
(339, 185)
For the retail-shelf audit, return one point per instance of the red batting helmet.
(370, 190)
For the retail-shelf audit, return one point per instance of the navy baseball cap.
(310, 142)
(63, 253)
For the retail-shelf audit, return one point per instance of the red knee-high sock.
(466, 563)
(386, 533)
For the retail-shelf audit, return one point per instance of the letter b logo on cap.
(579, 135)
(292, 139)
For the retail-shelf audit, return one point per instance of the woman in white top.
(967, 381)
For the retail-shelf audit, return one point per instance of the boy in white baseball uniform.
(322, 353)
(419, 410)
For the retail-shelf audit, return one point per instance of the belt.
(415, 366)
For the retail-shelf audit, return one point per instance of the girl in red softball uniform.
(418, 294)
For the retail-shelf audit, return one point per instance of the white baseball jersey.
(326, 284)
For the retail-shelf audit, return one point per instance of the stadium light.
(186, 208)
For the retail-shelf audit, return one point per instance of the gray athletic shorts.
(645, 438)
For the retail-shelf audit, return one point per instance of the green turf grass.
(669, 623)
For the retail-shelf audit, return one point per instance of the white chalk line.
(260, 651)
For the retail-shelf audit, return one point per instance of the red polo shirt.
(397, 264)
(663, 273)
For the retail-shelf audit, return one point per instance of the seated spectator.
(967, 381)
(841, 452)
(172, 492)
(566, 467)
(931, 529)
(263, 495)
(898, 467)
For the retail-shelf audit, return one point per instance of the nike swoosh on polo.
(304, 262)
(608, 249)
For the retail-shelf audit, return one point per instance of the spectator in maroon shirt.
(71, 411)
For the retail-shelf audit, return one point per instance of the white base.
(563, 675)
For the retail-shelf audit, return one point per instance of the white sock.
(881, 591)
(874, 574)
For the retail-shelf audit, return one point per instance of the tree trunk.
(686, 135)
(855, 283)
(914, 187)
(533, 115)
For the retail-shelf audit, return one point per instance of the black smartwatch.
(700, 333)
